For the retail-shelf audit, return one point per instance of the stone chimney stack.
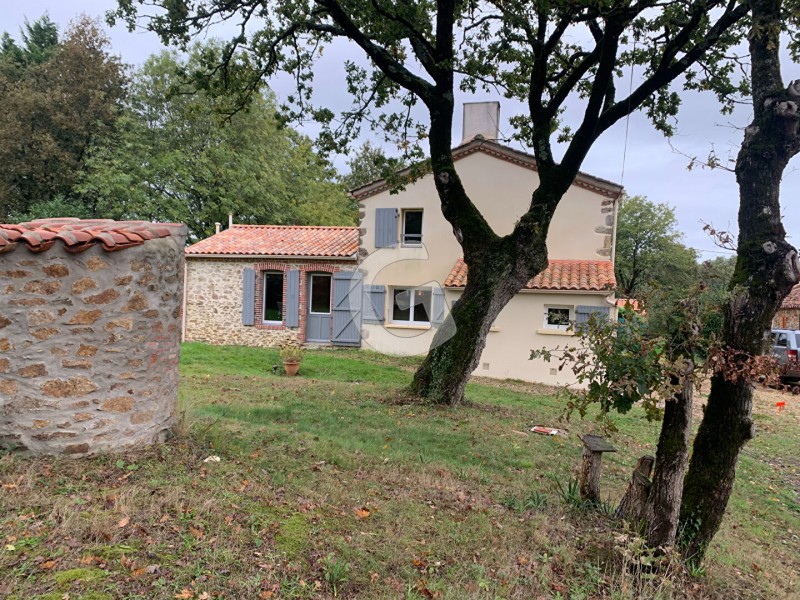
(481, 119)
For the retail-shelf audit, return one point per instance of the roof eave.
(598, 185)
(352, 257)
(545, 291)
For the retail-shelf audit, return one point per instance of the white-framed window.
(411, 305)
(412, 227)
(319, 294)
(272, 297)
(557, 317)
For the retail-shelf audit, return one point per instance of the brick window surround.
(305, 267)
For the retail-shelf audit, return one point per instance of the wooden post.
(593, 448)
(632, 505)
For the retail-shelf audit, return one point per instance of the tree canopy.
(542, 53)
(58, 97)
(367, 164)
(650, 251)
(177, 156)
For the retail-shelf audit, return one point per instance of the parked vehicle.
(785, 345)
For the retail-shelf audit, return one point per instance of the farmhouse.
(388, 284)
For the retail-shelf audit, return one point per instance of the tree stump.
(593, 448)
(632, 505)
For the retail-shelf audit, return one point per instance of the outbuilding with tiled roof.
(268, 285)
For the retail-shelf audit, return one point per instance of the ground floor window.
(411, 305)
(557, 317)
(272, 301)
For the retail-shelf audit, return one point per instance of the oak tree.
(548, 54)
(766, 270)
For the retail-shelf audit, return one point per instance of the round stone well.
(90, 327)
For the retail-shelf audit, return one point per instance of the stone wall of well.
(214, 297)
(89, 346)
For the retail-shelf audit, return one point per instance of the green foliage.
(418, 52)
(533, 500)
(58, 98)
(178, 156)
(336, 573)
(368, 164)
(292, 354)
(39, 42)
(518, 48)
(649, 251)
(618, 364)
(570, 494)
(59, 206)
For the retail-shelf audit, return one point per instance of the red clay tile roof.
(793, 299)
(631, 303)
(79, 235)
(280, 240)
(578, 275)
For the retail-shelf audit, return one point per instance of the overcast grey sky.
(652, 168)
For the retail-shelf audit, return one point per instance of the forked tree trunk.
(498, 269)
(664, 501)
(766, 270)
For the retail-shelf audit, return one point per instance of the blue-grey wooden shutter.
(438, 306)
(385, 227)
(248, 297)
(374, 303)
(584, 313)
(293, 298)
(347, 298)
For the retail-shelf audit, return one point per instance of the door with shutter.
(318, 319)
(347, 308)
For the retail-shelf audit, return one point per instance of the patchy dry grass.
(329, 486)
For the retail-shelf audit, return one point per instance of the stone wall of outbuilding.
(787, 318)
(89, 345)
(214, 298)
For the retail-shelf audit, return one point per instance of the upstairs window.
(272, 298)
(412, 227)
(411, 305)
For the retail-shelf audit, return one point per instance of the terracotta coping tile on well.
(577, 275)
(78, 235)
(280, 240)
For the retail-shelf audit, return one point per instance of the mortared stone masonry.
(90, 317)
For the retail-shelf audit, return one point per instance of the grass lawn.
(330, 484)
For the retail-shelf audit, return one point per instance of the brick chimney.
(481, 119)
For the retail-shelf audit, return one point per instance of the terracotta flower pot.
(291, 368)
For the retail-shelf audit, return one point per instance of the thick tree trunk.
(766, 270)
(664, 501)
(633, 503)
(458, 344)
(498, 269)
